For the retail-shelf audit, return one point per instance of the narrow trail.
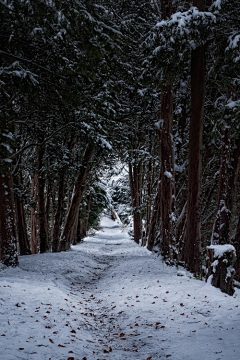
(114, 333)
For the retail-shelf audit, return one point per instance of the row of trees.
(153, 84)
(56, 97)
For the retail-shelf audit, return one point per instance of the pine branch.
(43, 142)
(31, 62)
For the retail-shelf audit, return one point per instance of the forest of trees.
(151, 84)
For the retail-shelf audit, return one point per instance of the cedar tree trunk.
(24, 246)
(85, 218)
(76, 200)
(135, 180)
(58, 218)
(167, 175)
(8, 238)
(192, 251)
(221, 225)
(42, 220)
(154, 219)
(8, 234)
(34, 241)
(236, 244)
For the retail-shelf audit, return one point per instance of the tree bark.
(167, 175)
(8, 233)
(24, 246)
(135, 180)
(74, 232)
(234, 165)
(227, 189)
(192, 250)
(180, 232)
(58, 218)
(154, 219)
(149, 195)
(221, 225)
(76, 199)
(85, 218)
(232, 185)
(34, 240)
(150, 176)
(8, 237)
(236, 244)
(43, 228)
(166, 7)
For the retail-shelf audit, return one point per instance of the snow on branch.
(233, 104)
(217, 4)
(184, 21)
(234, 41)
(172, 38)
(24, 60)
(234, 46)
(221, 250)
(220, 265)
(104, 143)
(16, 70)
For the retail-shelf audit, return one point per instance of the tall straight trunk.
(85, 217)
(227, 188)
(150, 182)
(192, 251)
(234, 166)
(49, 194)
(166, 8)
(42, 220)
(167, 175)
(180, 231)
(76, 199)
(149, 195)
(34, 240)
(221, 225)
(58, 217)
(154, 219)
(236, 244)
(24, 246)
(138, 197)
(8, 233)
(61, 194)
(234, 174)
(135, 180)
(52, 213)
(8, 236)
(74, 232)
(232, 186)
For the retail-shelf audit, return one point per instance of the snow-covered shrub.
(221, 259)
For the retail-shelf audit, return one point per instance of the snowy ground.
(108, 298)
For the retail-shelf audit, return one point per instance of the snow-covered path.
(109, 298)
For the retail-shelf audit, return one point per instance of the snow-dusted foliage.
(190, 27)
(118, 192)
(226, 12)
(170, 41)
(220, 250)
(221, 267)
